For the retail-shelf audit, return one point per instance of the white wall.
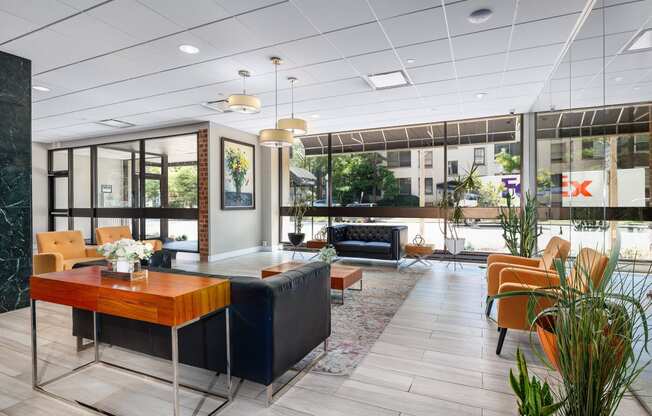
(39, 188)
(237, 230)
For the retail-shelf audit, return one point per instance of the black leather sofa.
(275, 323)
(383, 242)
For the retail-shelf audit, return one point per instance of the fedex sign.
(590, 188)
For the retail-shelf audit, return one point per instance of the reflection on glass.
(81, 159)
(60, 223)
(83, 225)
(152, 228)
(182, 235)
(60, 193)
(116, 175)
(59, 160)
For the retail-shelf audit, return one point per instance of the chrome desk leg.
(34, 351)
(228, 356)
(96, 337)
(175, 370)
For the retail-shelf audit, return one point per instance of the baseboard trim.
(234, 253)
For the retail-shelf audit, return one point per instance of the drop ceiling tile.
(426, 53)
(593, 47)
(134, 19)
(239, 6)
(478, 44)
(458, 15)
(435, 88)
(13, 26)
(335, 14)
(189, 13)
(529, 10)
(480, 83)
(436, 72)
(34, 11)
(229, 36)
(376, 63)
(359, 39)
(416, 27)
(310, 51)
(279, 23)
(543, 55)
(527, 75)
(543, 32)
(389, 8)
(621, 18)
(258, 61)
(480, 65)
(331, 71)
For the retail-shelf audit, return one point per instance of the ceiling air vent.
(221, 106)
(115, 123)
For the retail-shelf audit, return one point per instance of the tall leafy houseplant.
(595, 333)
(453, 202)
(298, 211)
(534, 398)
(520, 226)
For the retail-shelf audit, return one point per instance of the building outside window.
(427, 159)
(479, 156)
(404, 186)
(557, 152)
(399, 159)
(452, 168)
(428, 186)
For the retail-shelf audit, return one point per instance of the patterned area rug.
(358, 323)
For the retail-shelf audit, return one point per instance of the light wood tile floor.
(436, 357)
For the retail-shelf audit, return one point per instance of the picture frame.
(237, 175)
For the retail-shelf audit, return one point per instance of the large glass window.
(157, 174)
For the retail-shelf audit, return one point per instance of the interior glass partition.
(149, 185)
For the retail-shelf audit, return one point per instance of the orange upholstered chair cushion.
(105, 235)
(70, 244)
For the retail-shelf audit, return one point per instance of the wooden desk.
(168, 299)
(342, 277)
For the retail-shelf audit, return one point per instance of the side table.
(419, 254)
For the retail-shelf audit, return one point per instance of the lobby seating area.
(325, 208)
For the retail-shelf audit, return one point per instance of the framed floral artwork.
(238, 178)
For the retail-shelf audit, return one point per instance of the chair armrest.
(493, 274)
(508, 258)
(157, 245)
(91, 251)
(513, 311)
(526, 276)
(47, 263)
(336, 233)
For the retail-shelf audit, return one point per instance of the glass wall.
(400, 175)
(103, 186)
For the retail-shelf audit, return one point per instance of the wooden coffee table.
(342, 277)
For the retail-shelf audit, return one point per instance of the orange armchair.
(61, 250)
(512, 311)
(496, 263)
(105, 235)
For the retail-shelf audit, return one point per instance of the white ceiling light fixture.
(641, 42)
(244, 103)
(619, 79)
(411, 60)
(315, 116)
(189, 49)
(41, 88)
(480, 95)
(480, 16)
(276, 137)
(393, 79)
(118, 124)
(297, 126)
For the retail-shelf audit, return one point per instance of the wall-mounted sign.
(106, 189)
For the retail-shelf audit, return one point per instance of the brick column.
(202, 160)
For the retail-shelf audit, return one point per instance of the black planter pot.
(296, 238)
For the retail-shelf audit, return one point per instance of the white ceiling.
(120, 59)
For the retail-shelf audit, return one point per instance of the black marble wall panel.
(15, 181)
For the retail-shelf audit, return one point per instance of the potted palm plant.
(297, 211)
(594, 332)
(453, 203)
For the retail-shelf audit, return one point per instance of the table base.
(40, 387)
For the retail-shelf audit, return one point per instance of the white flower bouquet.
(125, 253)
(327, 254)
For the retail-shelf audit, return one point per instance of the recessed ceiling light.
(315, 116)
(41, 88)
(411, 61)
(480, 95)
(388, 80)
(637, 88)
(641, 42)
(119, 124)
(618, 79)
(480, 16)
(189, 49)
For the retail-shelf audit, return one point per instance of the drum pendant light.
(243, 103)
(297, 126)
(276, 137)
